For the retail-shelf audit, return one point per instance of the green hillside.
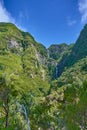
(79, 51)
(55, 55)
(42, 89)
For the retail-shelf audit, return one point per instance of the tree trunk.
(6, 108)
(6, 125)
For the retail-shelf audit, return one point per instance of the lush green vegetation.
(32, 96)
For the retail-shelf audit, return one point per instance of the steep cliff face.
(36, 60)
(30, 87)
(57, 56)
(23, 57)
(78, 52)
(56, 51)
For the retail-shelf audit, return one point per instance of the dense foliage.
(32, 95)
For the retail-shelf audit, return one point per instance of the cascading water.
(48, 54)
(22, 110)
(57, 71)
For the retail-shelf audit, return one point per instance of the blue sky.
(49, 21)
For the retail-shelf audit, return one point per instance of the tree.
(5, 97)
(75, 106)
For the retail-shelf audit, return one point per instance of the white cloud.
(71, 22)
(83, 10)
(5, 16)
(23, 15)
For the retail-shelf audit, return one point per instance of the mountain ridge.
(46, 87)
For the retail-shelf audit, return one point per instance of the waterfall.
(26, 116)
(57, 71)
(48, 54)
(22, 110)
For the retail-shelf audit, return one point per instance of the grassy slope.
(20, 62)
(24, 68)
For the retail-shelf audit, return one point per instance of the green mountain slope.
(22, 57)
(79, 51)
(55, 54)
(42, 89)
